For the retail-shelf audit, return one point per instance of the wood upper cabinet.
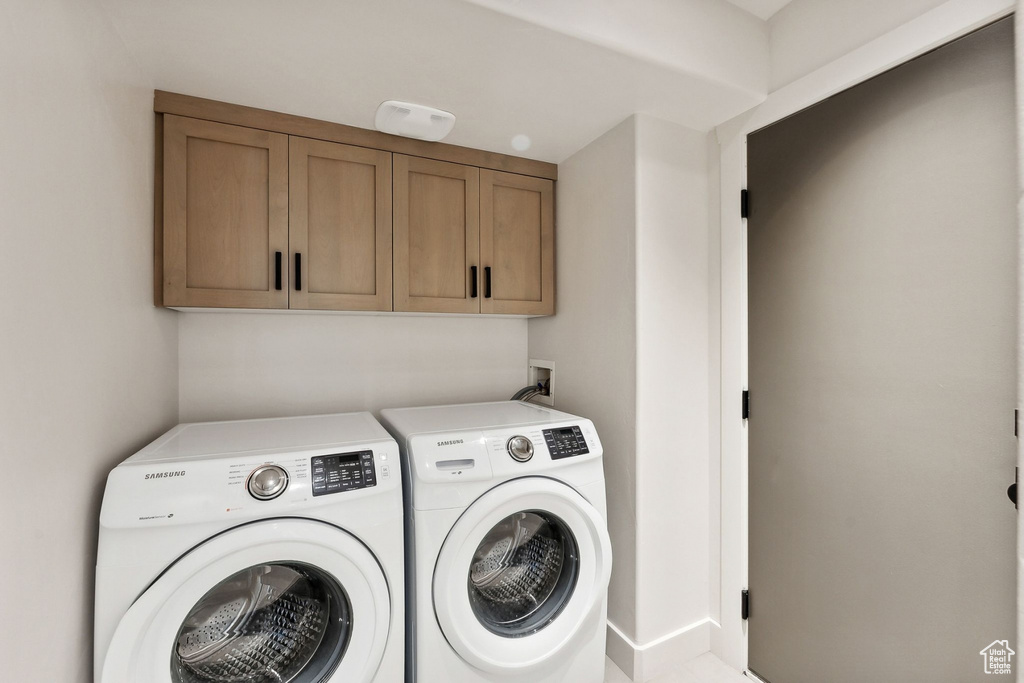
(436, 236)
(225, 215)
(517, 240)
(261, 210)
(340, 226)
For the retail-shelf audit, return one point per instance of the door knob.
(1012, 491)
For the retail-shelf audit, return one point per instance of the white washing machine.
(507, 544)
(258, 551)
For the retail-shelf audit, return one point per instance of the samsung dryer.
(254, 551)
(508, 551)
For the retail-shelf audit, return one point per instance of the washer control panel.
(343, 472)
(565, 442)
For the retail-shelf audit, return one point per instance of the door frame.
(728, 451)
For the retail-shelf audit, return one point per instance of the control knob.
(267, 481)
(520, 448)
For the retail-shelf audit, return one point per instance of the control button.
(267, 482)
(520, 448)
(385, 471)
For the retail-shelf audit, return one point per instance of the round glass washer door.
(271, 623)
(284, 600)
(521, 571)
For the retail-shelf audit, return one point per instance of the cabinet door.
(517, 244)
(340, 226)
(436, 210)
(225, 215)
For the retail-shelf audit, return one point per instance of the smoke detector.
(414, 120)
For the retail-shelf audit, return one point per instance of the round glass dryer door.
(277, 601)
(523, 573)
(271, 623)
(520, 574)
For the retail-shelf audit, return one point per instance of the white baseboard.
(645, 662)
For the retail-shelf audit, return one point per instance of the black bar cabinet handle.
(277, 270)
(487, 282)
(472, 277)
(298, 272)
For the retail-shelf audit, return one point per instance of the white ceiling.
(763, 9)
(502, 76)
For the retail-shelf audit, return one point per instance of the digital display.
(565, 442)
(342, 472)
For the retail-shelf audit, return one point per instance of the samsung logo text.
(165, 475)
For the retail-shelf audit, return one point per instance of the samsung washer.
(254, 551)
(508, 551)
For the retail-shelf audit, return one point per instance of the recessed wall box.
(414, 120)
(543, 372)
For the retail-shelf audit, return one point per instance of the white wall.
(88, 366)
(244, 365)
(631, 349)
(808, 34)
(592, 337)
(672, 380)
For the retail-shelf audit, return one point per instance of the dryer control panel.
(565, 442)
(342, 472)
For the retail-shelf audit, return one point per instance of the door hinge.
(745, 604)
(744, 203)
(746, 404)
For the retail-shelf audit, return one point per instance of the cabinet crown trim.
(290, 124)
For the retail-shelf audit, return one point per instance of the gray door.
(882, 289)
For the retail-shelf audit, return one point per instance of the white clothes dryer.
(254, 551)
(508, 555)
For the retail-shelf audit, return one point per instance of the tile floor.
(704, 669)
